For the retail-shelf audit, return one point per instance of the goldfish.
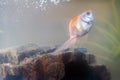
(78, 26)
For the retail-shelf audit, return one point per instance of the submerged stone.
(69, 65)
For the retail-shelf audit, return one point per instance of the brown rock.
(65, 66)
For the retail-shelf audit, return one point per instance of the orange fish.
(81, 24)
(78, 27)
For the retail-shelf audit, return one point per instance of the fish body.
(79, 26)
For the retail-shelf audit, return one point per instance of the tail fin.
(68, 44)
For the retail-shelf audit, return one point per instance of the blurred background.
(45, 22)
(21, 22)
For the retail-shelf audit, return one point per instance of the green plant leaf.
(105, 58)
(99, 46)
(108, 35)
(110, 25)
(115, 14)
(117, 50)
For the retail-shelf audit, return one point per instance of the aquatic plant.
(110, 44)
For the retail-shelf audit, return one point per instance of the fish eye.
(88, 13)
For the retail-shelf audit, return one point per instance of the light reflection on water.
(42, 4)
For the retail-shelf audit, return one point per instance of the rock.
(75, 65)
(82, 50)
(17, 54)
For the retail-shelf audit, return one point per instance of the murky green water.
(25, 22)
